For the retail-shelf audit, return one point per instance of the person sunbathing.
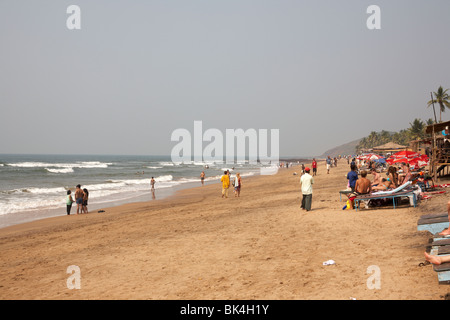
(376, 177)
(440, 259)
(405, 175)
(446, 232)
(393, 176)
(383, 186)
(436, 259)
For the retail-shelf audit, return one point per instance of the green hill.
(345, 149)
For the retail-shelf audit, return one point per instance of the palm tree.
(417, 129)
(443, 99)
(385, 137)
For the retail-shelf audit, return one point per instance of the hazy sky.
(138, 70)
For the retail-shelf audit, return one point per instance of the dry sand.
(196, 245)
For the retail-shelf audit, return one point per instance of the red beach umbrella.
(405, 154)
(375, 157)
(420, 161)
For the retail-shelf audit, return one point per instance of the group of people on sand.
(331, 162)
(363, 185)
(226, 182)
(81, 199)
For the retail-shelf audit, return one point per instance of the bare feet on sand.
(433, 259)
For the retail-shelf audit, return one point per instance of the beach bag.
(348, 205)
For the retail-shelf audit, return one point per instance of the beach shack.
(422, 146)
(440, 148)
(389, 148)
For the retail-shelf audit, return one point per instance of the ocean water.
(35, 186)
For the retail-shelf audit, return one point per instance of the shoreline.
(10, 219)
(196, 245)
(167, 194)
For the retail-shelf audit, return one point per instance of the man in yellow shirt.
(225, 184)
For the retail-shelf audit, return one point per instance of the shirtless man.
(363, 185)
(376, 177)
(202, 176)
(79, 194)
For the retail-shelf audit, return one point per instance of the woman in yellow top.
(225, 184)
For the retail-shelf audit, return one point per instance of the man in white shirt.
(306, 182)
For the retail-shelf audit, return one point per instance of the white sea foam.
(167, 164)
(65, 170)
(83, 164)
(27, 197)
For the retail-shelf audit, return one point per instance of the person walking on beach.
(79, 199)
(328, 164)
(306, 182)
(69, 202)
(314, 166)
(202, 177)
(85, 200)
(237, 185)
(225, 184)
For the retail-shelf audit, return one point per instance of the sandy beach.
(195, 245)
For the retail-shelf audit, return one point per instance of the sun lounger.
(441, 247)
(394, 196)
(400, 192)
(433, 223)
(396, 190)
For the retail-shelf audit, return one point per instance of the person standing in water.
(202, 177)
(69, 201)
(152, 183)
(79, 199)
(85, 200)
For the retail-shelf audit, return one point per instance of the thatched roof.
(390, 146)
